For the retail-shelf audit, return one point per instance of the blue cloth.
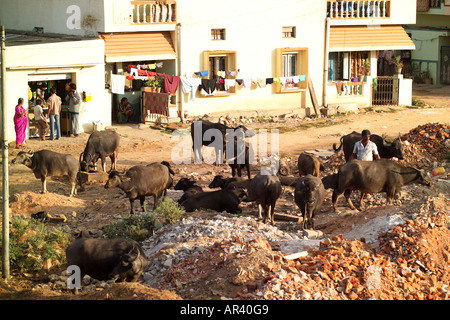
(204, 73)
(302, 77)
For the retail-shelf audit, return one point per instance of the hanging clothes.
(247, 83)
(261, 83)
(269, 80)
(239, 81)
(190, 85)
(204, 73)
(229, 83)
(171, 83)
(208, 87)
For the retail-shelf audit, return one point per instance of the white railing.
(360, 9)
(153, 12)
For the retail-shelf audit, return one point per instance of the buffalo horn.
(128, 255)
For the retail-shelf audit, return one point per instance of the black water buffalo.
(198, 130)
(46, 163)
(221, 200)
(118, 259)
(373, 177)
(224, 183)
(309, 195)
(309, 164)
(238, 158)
(330, 181)
(189, 187)
(101, 144)
(385, 150)
(265, 191)
(141, 181)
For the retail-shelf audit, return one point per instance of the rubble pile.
(412, 263)
(426, 144)
(240, 258)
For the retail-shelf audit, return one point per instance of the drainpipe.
(179, 92)
(325, 62)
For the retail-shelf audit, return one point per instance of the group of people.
(54, 111)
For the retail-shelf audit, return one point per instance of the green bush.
(169, 210)
(141, 226)
(137, 227)
(33, 245)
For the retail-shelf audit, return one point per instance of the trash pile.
(426, 144)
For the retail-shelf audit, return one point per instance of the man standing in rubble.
(365, 150)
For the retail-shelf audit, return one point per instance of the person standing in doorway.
(41, 119)
(365, 150)
(54, 111)
(20, 124)
(74, 99)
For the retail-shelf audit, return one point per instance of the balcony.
(142, 14)
(360, 9)
(153, 12)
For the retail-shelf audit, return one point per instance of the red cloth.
(171, 84)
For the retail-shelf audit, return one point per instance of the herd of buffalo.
(124, 260)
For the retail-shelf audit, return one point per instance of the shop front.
(36, 60)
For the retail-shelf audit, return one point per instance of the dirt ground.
(141, 144)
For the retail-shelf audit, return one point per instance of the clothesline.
(190, 84)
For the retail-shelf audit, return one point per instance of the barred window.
(217, 34)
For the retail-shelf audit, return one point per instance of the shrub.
(141, 226)
(34, 246)
(137, 227)
(169, 210)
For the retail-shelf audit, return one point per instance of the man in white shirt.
(365, 150)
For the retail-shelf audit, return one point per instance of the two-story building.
(364, 38)
(235, 56)
(431, 35)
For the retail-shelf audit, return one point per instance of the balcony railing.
(435, 3)
(153, 12)
(360, 9)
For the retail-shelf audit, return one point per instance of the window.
(348, 65)
(217, 34)
(221, 65)
(291, 62)
(288, 32)
(217, 64)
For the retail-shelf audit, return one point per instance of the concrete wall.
(82, 59)
(254, 31)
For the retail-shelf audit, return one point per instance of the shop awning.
(138, 46)
(367, 38)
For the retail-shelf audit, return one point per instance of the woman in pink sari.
(20, 123)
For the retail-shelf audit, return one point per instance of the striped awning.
(138, 46)
(367, 38)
